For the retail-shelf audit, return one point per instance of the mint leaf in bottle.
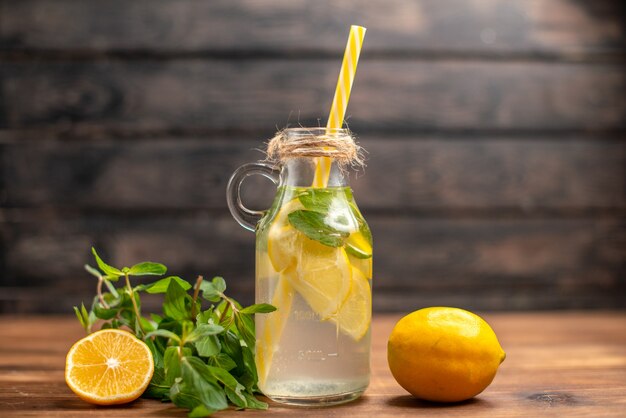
(313, 225)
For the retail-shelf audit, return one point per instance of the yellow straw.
(342, 95)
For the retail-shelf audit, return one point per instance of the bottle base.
(315, 401)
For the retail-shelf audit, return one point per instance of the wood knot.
(553, 398)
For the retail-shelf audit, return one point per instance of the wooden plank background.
(496, 173)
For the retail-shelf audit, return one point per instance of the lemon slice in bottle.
(323, 277)
(283, 247)
(358, 246)
(360, 253)
(355, 315)
(273, 325)
(284, 241)
(363, 265)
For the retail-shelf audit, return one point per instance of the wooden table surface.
(566, 364)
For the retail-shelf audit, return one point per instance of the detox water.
(314, 263)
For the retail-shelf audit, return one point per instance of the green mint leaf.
(223, 360)
(110, 271)
(239, 400)
(163, 333)
(157, 356)
(171, 364)
(147, 268)
(186, 328)
(109, 298)
(219, 284)
(228, 381)
(104, 313)
(250, 376)
(313, 225)
(204, 330)
(174, 306)
(246, 331)
(127, 318)
(209, 292)
(200, 411)
(85, 314)
(160, 286)
(208, 346)
(110, 287)
(197, 369)
(205, 317)
(258, 308)
(83, 317)
(172, 360)
(79, 315)
(195, 373)
(92, 319)
(125, 301)
(93, 271)
(184, 395)
(157, 389)
(318, 200)
(254, 403)
(232, 348)
(336, 205)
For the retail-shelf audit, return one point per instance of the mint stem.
(223, 315)
(196, 290)
(132, 298)
(100, 297)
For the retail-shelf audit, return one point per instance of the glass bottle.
(314, 264)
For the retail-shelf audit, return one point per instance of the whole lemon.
(443, 354)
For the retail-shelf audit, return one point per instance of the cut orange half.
(109, 367)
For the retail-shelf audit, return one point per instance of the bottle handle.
(247, 218)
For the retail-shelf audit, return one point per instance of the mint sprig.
(329, 216)
(203, 351)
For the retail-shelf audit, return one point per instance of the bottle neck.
(300, 172)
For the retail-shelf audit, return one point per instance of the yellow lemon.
(443, 354)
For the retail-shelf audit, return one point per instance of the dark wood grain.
(258, 95)
(566, 27)
(428, 173)
(478, 264)
(495, 130)
(558, 364)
